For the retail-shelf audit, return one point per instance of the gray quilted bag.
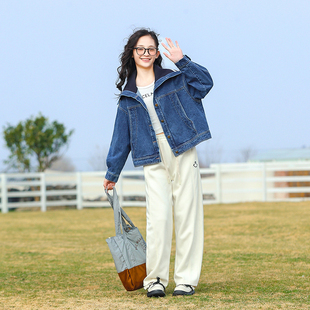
(128, 247)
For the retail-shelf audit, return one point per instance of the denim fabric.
(177, 100)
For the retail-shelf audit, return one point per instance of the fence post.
(218, 183)
(43, 192)
(4, 197)
(264, 175)
(79, 194)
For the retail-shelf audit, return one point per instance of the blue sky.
(60, 58)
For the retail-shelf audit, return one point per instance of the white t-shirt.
(147, 95)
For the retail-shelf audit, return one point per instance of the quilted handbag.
(127, 247)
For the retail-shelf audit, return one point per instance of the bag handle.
(124, 215)
(119, 214)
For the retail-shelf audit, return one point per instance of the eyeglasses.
(141, 50)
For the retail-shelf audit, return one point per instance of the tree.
(35, 139)
(212, 154)
(98, 159)
(63, 164)
(246, 154)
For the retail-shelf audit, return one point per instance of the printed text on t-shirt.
(147, 95)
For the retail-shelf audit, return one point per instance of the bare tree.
(212, 154)
(63, 164)
(246, 154)
(97, 159)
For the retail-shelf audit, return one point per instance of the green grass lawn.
(257, 256)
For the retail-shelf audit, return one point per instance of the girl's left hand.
(174, 50)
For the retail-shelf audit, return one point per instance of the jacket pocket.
(180, 125)
(140, 133)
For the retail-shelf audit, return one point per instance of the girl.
(160, 119)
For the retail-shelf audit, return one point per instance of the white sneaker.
(156, 289)
(183, 289)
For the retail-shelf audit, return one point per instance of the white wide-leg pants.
(174, 184)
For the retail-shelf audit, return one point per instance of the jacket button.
(156, 105)
(162, 120)
(177, 152)
(168, 137)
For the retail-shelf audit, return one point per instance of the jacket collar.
(159, 73)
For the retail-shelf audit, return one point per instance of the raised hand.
(175, 52)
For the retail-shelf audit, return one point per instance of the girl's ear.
(157, 54)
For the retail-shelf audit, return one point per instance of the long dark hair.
(128, 65)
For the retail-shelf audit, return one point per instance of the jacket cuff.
(111, 177)
(183, 62)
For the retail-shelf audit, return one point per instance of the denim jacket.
(177, 100)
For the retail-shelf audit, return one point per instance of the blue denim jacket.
(177, 99)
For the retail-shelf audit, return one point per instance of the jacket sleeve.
(198, 79)
(120, 146)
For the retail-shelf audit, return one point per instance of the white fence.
(222, 183)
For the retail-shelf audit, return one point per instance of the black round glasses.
(141, 50)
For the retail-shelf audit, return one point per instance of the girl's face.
(145, 60)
